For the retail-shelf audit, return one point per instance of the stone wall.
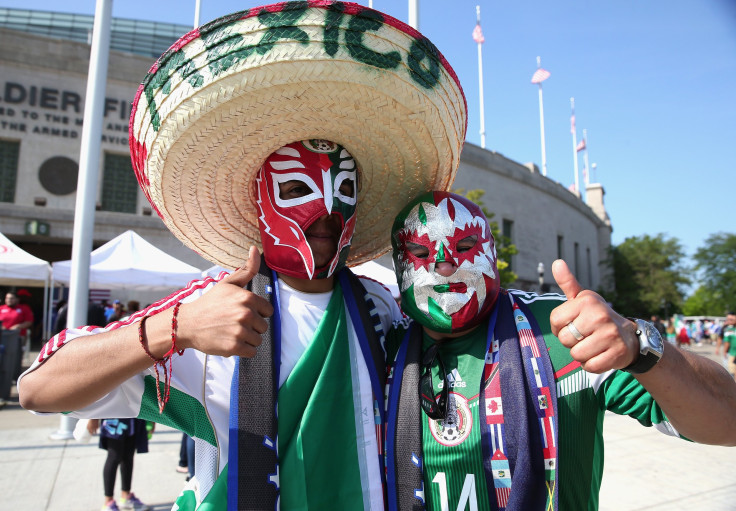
(42, 89)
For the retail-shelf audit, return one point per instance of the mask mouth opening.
(455, 287)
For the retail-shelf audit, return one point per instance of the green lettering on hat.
(425, 75)
(358, 25)
(332, 28)
(281, 26)
(175, 62)
(223, 50)
(220, 42)
(161, 80)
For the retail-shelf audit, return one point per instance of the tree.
(649, 276)
(504, 248)
(703, 303)
(716, 266)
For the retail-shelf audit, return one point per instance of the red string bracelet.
(162, 361)
(174, 323)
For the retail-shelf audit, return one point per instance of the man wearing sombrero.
(298, 128)
(497, 397)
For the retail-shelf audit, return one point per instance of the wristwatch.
(650, 347)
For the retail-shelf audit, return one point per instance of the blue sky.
(653, 83)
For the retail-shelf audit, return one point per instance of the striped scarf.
(325, 444)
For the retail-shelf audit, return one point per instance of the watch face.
(654, 336)
(655, 340)
(650, 348)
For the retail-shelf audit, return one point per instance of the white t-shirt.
(300, 315)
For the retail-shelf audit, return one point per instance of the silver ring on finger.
(575, 332)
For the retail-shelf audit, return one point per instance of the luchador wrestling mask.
(442, 227)
(296, 186)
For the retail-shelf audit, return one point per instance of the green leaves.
(650, 276)
(715, 263)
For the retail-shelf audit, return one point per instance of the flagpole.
(89, 170)
(541, 121)
(480, 85)
(574, 145)
(414, 14)
(586, 171)
(197, 9)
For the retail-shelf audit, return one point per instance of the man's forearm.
(89, 367)
(697, 395)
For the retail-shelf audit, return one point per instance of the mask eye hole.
(347, 188)
(419, 251)
(294, 189)
(466, 244)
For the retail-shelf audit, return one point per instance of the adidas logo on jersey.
(454, 379)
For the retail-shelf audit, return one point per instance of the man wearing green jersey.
(729, 342)
(496, 398)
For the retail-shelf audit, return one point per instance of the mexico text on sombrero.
(222, 45)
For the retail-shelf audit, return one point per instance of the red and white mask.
(298, 185)
(445, 228)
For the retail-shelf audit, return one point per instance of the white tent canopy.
(371, 269)
(130, 262)
(19, 268)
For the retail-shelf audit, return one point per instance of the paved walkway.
(644, 469)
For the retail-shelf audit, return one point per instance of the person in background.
(659, 326)
(95, 316)
(715, 332)
(729, 342)
(497, 397)
(109, 311)
(121, 438)
(18, 316)
(61, 304)
(670, 333)
(133, 306)
(186, 456)
(118, 312)
(15, 315)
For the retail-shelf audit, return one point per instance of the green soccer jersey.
(453, 460)
(729, 336)
(452, 472)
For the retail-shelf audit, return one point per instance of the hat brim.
(226, 96)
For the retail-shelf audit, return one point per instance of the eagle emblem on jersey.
(456, 427)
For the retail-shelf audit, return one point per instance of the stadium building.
(43, 77)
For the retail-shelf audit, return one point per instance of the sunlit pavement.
(644, 470)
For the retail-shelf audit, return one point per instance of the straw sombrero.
(228, 94)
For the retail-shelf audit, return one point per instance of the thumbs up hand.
(598, 337)
(227, 320)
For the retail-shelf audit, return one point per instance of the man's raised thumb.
(245, 273)
(565, 279)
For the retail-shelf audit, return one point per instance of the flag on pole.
(478, 34)
(540, 75)
(581, 145)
